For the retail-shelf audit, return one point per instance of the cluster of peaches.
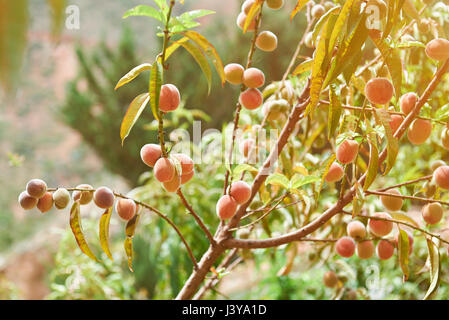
(37, 195)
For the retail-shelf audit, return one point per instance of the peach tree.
(372, 82)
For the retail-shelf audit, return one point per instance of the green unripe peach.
(356, 230)
(251, 98)
(169, 98)
(365, 249)
(330, 279)
(392, 203)
(384, 249)
(26, 201)
(379, 91)
(419, 131)
(126, 208)
(61, 198)
(150, 153)
(335, 173)
(436, 164)
(84, 197)
(240, 191)
(164, 170)
(441, 177)
(345, 247)
(408, 102)
(274, 4)
(347, 151)
(317, 11)
(104, 198)
(380, 228)
(45, 203)
(226, 207)
(36, 188)
(432, 213)
(253, 78)
(445, 138)
(267, 41)
(438, 49)
(234, 73)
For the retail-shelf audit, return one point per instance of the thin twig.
(368, 192)
(429, 177)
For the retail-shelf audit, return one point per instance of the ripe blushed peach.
(61, 198)
(26, 201)
(335, 173)
(251, 99)
(150, 153)
(104, 198)
(432, 213)
(267, 41)
(36, 188)
(330, 279)
(408, 102)
(347, 151)
(419, 131)
(380, 228)
(45, 203)
(253, 78)
(246, 5)
(172, 185)
(186, 162)
(345, 247)
(365, 249)
(246, 146)
(187, 177)
(356, 230)
(379, 91)
(169, 98)
(274, 4)
(164, 170)
(396, 121)
(445, 138)
(84, 197)
(126, 208)
(438, 49)
(226, 207)
(317, 11)
(392, 203)
(384, 249)
(240, 191)
(234, 73)
(441, 177)
(241, 18)
(436, 164)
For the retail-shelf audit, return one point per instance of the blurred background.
(60, 120)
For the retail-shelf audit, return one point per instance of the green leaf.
(241, 168)
(403, 217)
(299, 5)
(278, 179)
(435, 269)
(319, 25)
(201, 59)
(75, 225)
(392, 143)
(299, 180)
(104, 232)
(341, 21)
(373, 161)
(393, 15)
(133, 113)
(255, 8)
(194, 14)
(303, 67)
(175, 45)
(442, 114)
(131, 75)
(143, 10)
(156, 79)
(410, 44)
(403, 252)
(335, 110)
(209, 50)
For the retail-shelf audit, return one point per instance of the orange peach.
(356, 230)
(384, 249)
(186, 162)
(251, 99)
(267, 41)
(226, 207)
(438, 49)
(330, 279)
(408, 102)
(45, 203)
(379, 91)
(392, 203)
(432, 213)
(126, 208)
(347, 151)
(419, 131)
(253, 78)
(240, 191)
(441, 177)
(274, 4)
(164, 170)
(187, 177)
(169, 98)
(241, 18)
(396, 121)
(150, 153)
(380, 228)
(365, 249)
(335, 173)
(345, 247)
(36, 188)
(84, 197)
(234, 73)
(174, 184)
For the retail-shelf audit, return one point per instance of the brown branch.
(368, 192)
(429, 177)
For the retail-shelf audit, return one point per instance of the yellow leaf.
(299, 5)
(132, 74)
(255, 8)
(132, 114)
(75, 225)
(104, 232)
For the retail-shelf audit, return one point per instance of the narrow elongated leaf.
(392, 143)
(403, 250)
(131, 75)
(132, 114)
(298, 180)
(303, 67)
(130, 229)
(329, 162)
(338, 29)
(156, 79)
(319, 25)
(195, 14)
(373, 161)
(75, 225)
(255, 8)
(403, 217)
(335, 110)
(393, 15)
(435, 267)
(104, 232)
(209, 50)
(143, 10)
(201, 59)
(277, 179)
(128, 245)
(57, 10)
(175, 45)
(299, 5)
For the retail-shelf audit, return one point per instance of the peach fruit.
(84, 197)
(45, 203)
(392, 203)
(251, 99)
(330, 279)
(419, 131)
(150, 153)
(36, 188)
(384, 249)
(26, 201)
(345, 247)
(347, 151)
(267, 41)
(379, 91)
(253, 78)
(380, 228)
(441, 177)
(61, 198)
(104, 197)
(240, 191)
(169, 98)
(438, 49)
(356, 230)
(365, 249)
(226, 207)
(234, 73)
(432, 213)
(335, 173)
(126, 208)
(164, 170)
(408, 102)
